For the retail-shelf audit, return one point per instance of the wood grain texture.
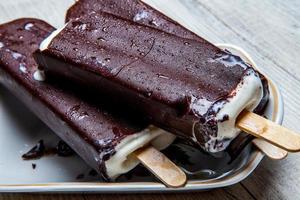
(270, 150)
(268, 30)
(267, 130)
(161, 166)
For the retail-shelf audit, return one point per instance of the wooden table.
(268, 30)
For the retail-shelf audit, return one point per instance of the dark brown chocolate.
(133, 10)
(33, 165)
(40, 150)
(140, 12)
(80, 176)
(63, 149)
(86, 126)
(157, 73)
(35, 152)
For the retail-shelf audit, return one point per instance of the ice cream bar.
(139, 12)
(133, 10)
(142, 13)
(188, 87)
(101, 136)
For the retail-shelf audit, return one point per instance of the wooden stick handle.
(270, 150)
(163, 168)
(262, 128)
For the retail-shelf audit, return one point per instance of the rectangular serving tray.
(20, 130)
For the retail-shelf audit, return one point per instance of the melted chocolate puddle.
(64, 150)
(197, 164)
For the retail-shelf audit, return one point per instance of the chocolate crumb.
(40, 150)
(33, 165)
(36, 152)
(50, 151)
(63, 149)
(93, 173)
(80, 176)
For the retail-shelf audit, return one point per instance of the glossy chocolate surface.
(86, 126)
(133, 10)
(137, 11)
(140, 12)
(154, 72)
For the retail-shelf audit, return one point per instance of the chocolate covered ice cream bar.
(101, 136)
(140, 12)
(188, 87)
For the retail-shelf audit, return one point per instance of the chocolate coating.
(157, 73)
(129, 9)
(87, 127)
(133, 10)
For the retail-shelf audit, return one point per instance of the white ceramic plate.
(21, 130)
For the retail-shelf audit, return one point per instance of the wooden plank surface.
(268, 30)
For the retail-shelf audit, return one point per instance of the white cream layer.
(46, 42)
(123, 160)
(248, 95)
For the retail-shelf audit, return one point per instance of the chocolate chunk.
(64, 150)
(80, 176)
(36, 152)
(33, 165)
(93, 172)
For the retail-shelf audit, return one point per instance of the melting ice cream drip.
(230, 60)
(140, 15)
(28, 26)
(248, 95)
(22, 67)
(200, 106)
(16, 55)
(39, 75)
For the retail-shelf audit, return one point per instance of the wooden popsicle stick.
(162, 167)
(262, 128)
(269, 149)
